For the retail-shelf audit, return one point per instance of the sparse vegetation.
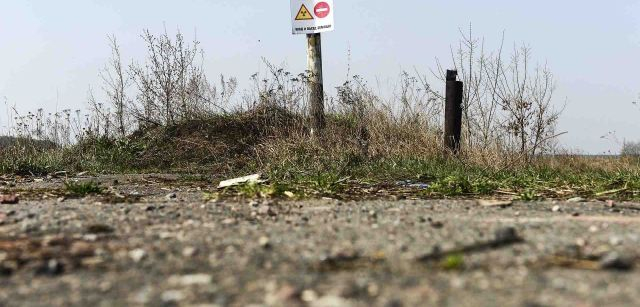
(82, 188)
(165, 115)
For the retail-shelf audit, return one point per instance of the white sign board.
(311, 16)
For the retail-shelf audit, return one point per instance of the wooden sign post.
(312, 17)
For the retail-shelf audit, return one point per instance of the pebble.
(266, 210)
(506, 234)
(190, 280)
(137, 255)
(614, 261)
(331, 301)
(229, 221)
(264, 242)
(172, 296)
(99, 229)
(52, 268)
(556, 208)
(615, 240)
(171, 196)
(309, 296)
(189, 252)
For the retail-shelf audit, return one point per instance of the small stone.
(137, 255)
(266, 210)
(581, 242)
(82, 249)
(254, 204)
(190, 280)
(99, 229)
(172, 296)
(594, 229)
(506, 234)
(393, 303)
(331, 301)
(373, 214)
(575, 214)
(615, 240)
(189, 252)
(309, 296)
(556, 208)
(614, 261)
(229, 221)
(264, 242)
(576, 200)
(171, 196)
(52, 268)
(610, 204)
(437, 224)
(61, 199)
(90, 237)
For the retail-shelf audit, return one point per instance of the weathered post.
(453, 112)
(312, 17)
(316, 87)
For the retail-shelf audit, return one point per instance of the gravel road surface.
(162, 245)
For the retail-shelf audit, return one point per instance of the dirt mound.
(226, 138)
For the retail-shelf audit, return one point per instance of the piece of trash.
(289, 194)
(11, 199)
(495, 203)
(255, 178)
(419, 186)
(576, 200)
(411, 184)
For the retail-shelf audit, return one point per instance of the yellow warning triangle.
(304, 14)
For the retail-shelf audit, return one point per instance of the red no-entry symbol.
(322, 9)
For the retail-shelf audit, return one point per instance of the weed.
(258, 190)
(528, 195)
(82, 188)
(454, 185)
(452, 262)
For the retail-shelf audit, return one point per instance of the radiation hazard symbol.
(304, 14)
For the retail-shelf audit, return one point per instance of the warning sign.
(318, 19)
(322, 9)
(304, 14)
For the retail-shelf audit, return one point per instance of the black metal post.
(453, 112)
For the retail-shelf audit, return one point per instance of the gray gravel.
(182, 251)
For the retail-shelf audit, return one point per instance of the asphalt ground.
(158, 243)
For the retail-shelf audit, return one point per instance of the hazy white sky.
(51, 51)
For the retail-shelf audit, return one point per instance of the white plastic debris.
(255, 178)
